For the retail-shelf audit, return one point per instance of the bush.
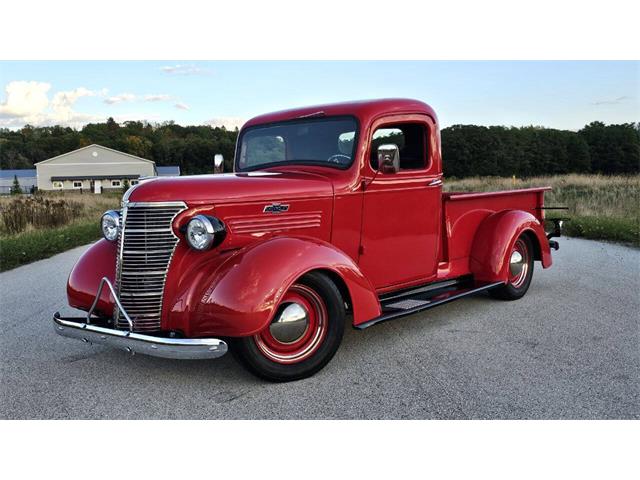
(37, 211)
(626, 230)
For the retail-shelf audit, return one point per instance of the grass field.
(600, 207)
(36, 228)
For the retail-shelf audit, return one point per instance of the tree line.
(468, 150)
(191, 147)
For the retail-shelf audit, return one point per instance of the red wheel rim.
(518, 263)
(309, 341)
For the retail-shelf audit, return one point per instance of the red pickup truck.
(334, 213)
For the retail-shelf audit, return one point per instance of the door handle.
(434, 182)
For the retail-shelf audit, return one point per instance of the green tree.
(16, 189)
(125, 186)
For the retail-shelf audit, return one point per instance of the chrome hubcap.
(291, 323)
(516, 263)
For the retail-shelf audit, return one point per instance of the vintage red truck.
(333, 213)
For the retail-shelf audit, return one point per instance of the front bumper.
(178, 348)
(132, 342)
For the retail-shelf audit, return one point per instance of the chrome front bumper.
(178, 348)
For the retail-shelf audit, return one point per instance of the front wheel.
(303, 335)
(520, 271)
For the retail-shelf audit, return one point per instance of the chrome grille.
(145, 249)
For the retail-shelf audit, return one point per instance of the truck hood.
(232, 187)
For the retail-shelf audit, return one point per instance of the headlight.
(205, 232)
(110, 225)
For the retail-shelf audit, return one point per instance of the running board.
(393, 308)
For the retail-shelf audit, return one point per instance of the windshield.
(323, 141)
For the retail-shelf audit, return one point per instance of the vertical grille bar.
(145, 250)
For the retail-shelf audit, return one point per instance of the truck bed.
(463, 213)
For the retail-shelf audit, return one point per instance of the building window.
(58, 185)
(77, 184)
(133, 182)
(115, 183)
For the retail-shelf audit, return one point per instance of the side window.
(411, 139)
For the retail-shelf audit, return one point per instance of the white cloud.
(185, 70)
(227, 122)
(28, 103)
(62, 104)
(123, 97)
(25, 99)
(157, 97)
(613, 101)
(182, 106)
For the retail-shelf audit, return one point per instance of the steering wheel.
(339, 158)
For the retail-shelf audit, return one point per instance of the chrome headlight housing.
(204, 232)
(110, 224)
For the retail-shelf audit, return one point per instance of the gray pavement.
(569, 349)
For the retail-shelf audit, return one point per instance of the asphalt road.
(569, 349)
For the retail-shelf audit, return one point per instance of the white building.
(94, 168)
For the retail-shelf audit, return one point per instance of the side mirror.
(389, 158)
(218, 163)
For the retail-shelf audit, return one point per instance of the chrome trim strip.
(147, 230)
(143, 273)
(156, 204)
(175, 348)
(147, 252)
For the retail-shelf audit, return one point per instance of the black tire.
(248, 352)
(510, 291)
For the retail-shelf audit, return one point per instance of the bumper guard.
(178, 348)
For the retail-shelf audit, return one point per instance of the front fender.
(494, 239)
(239, 296)
(97, 262)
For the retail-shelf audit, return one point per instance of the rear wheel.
(303, 336)
(520, 271)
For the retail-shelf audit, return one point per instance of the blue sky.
(559, 94)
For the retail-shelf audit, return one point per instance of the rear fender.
(239, 297)
(495, 238)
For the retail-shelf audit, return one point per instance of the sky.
(556, 94)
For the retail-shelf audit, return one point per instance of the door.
(402, 209)
(97, 186)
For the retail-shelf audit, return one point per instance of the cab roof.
(364, 110)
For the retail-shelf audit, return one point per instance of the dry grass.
(591, 195)
(601, 207)
(49, 224)
(44, 211)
